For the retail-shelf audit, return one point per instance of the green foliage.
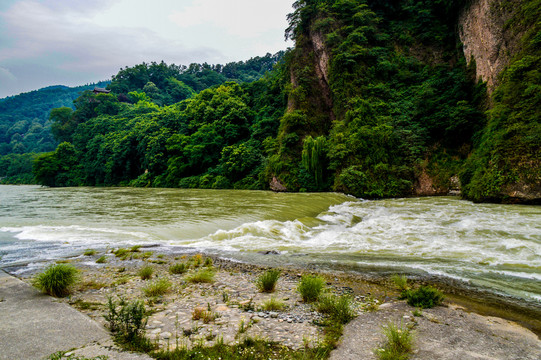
(179, 268)
(157, 288)
(248, 349)
(401, 282)
(24, 119)
(310, 287)
(127, 321)
(425, 297)
(266, 282)
(399, 344)
(101, 260)
(57, 280)
(17, 168)
(205, 275)
(339, 308)
(145, 273)
(273, 304)
(508, 151)
(89, 252)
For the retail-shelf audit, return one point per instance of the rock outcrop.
(486, 40)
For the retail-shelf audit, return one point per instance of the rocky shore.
(231, 308)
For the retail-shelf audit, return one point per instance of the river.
(496, 248)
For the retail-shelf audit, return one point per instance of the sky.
(75, 42)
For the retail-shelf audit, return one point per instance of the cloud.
(79, 39)
(243, 18)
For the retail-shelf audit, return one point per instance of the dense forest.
(375, 98)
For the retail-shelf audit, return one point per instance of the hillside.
(377, 99)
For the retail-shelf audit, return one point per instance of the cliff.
(486, 39)
(407, 96)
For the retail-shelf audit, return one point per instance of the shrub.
(339, 308)
(273, 304)
(56, 280)
(310, 287)
(145, 272)
(157, 288)
(202, 276)
(266, 282)
(179, 268)
(399, 343)
(425, 297)
(127, 322)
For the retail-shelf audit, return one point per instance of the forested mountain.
(376, 99)
(24, 118)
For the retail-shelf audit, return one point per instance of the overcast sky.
(74, 42)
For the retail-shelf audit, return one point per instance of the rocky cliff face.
(482, 30)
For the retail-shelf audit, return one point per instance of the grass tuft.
(57, 280)
(101, 260)
(89, 252)
(273, 304)
(401, 282)
(157, 288)
(179, 268)
(202, 276)
(339, 308)
(146, 272)
(399, 344)
(310, 287)
(266, 282)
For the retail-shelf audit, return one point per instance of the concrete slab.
(34, 325)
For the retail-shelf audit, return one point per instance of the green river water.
(495, 248)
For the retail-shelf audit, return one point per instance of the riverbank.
(233, 309)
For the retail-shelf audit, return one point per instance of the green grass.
(202, 276)
(60, 355)
(248, 349)
(146, 272)
(425, 297)
(399, 343)
(179, 268)
(127, 321)
(339, 308)
(157, 288)
(273, 304)
(310, 287)
(89, 252)
(57, 280)
(401, 282)
(101, 260)
(266, 282)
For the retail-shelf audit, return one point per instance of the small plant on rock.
(127, 322)
(146, 272)
(310, 287)
(179, 268)
(89, 252)
(266, 282)
(202, 276)
(339, 308)
(157, 288)
(101, 260)
(399, 344)
(401, 283)
(273, 304)
(57, 280)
